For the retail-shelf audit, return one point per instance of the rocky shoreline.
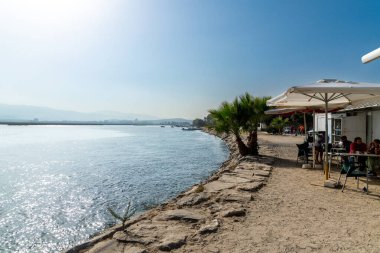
(194, 215)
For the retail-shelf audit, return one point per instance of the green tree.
(199, 123)
(243, 114)
(227, 119)
(278, 124)
(254, 110)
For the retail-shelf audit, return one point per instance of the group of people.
(358, 146)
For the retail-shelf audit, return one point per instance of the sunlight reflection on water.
(57, 182)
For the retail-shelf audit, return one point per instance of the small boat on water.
(162, 126)
(190, 128)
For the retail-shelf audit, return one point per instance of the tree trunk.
(243, 149)
(252, 143)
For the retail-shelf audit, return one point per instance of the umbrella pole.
(314, 139)
(326, 167)
(304, 122)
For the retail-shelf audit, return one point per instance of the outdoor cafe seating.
(351, 168)
(304, 152)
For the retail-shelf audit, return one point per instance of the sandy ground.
(294, 213)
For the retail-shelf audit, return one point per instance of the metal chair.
(304, 152)
(352, 169)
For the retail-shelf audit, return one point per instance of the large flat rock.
(261, 166)
(251, 187)
(210, 227)
(259, 178)
(171, 242)
(217, 186)
(107, 246)
(244, 173)
(246, 166)
(261, 173)
(234, 196)
(233, 178)
(193, 199)
(234, 212)
(189, 215)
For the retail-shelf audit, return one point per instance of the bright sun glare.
(44, 14)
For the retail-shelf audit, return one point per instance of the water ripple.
(57, 182)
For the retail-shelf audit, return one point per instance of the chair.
(351, 169)
(303, 152)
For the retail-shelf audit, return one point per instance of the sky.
(177, 58)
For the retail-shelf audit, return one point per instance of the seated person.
(345, 143)
(361, 147)
(372, 162)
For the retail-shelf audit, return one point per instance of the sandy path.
(294, 213)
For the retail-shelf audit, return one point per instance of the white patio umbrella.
(327, 93)
(371, 56)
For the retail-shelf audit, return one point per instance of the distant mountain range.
(16, 113)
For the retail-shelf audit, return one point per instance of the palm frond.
(114, 214)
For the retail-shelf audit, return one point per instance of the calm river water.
(56, 182)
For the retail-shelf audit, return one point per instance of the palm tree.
(227, 119)
(244, 113)
(279, 123)
(254, 108)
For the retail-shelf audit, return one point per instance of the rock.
(233, 178)
(106, 246)
(212, 227)
(182, 215)
(261, 173)
(193, 199)
(234, 213)
(133, 249)
(260, 166)
(244, 173)
(215, 208)
(234, 196)
(251, 187)
(258, 178)
(216, 186)
(245, 166)
(172, 242)
(249, 158)
(127, 237)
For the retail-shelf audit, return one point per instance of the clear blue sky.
(177, 58)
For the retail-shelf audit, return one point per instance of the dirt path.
(294, 213)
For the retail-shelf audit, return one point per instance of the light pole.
(371, 56)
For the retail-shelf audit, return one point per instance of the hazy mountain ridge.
(29, 113)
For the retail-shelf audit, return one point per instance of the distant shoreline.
(84, 124)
